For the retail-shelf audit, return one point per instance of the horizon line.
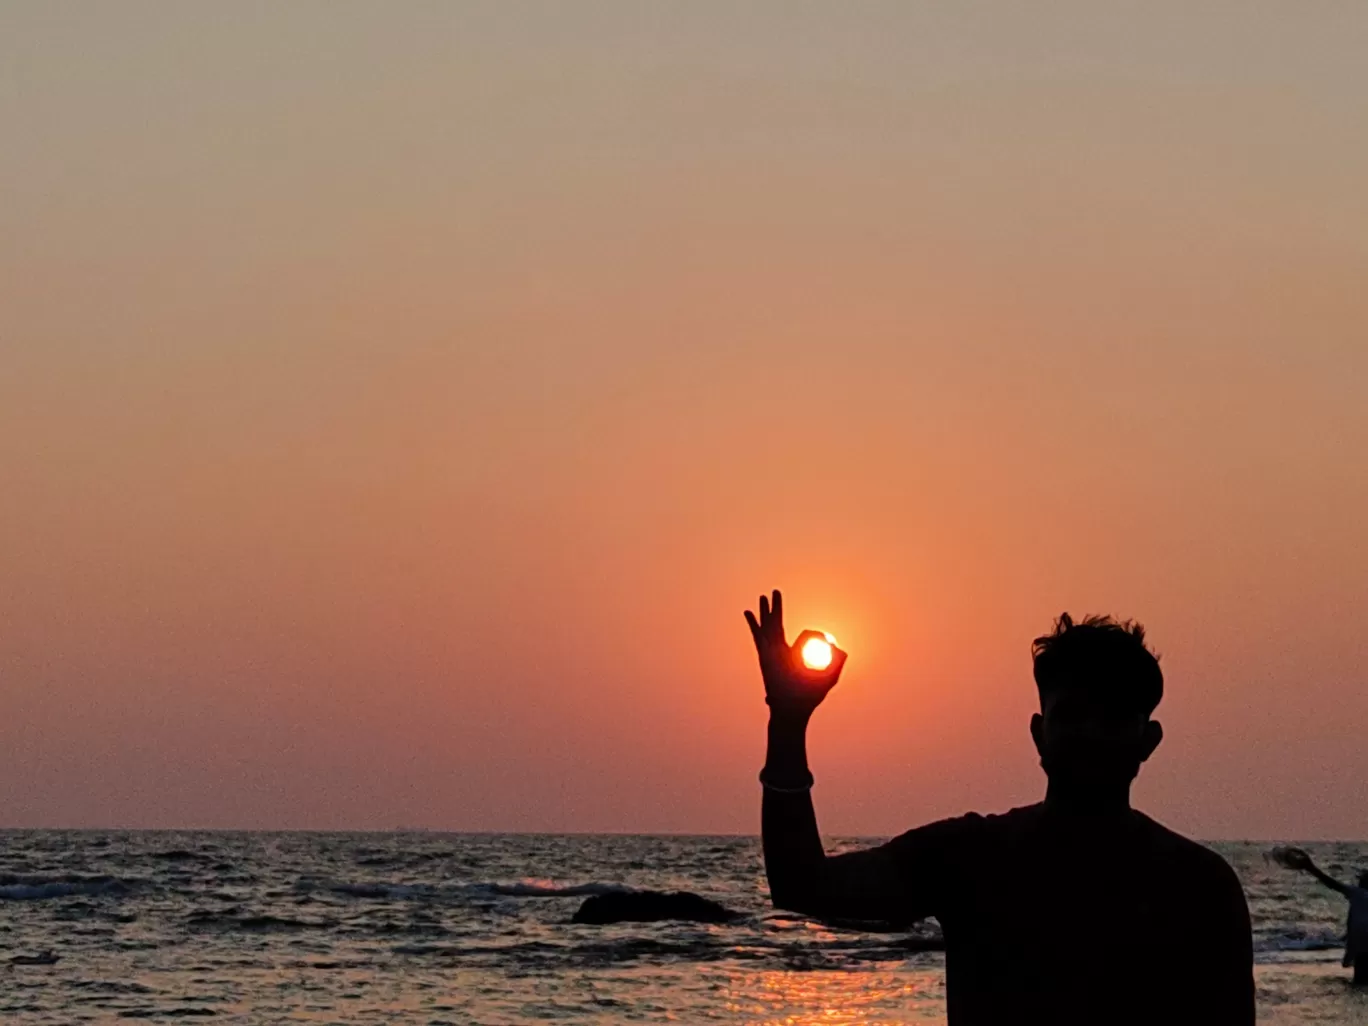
(557, 833)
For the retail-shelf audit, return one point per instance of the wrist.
(789, 719)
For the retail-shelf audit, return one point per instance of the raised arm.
(1297, 858)
(1329, 881)
(802, 877)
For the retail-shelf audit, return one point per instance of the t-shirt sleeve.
(932, 863)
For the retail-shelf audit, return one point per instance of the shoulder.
(1194, 863)
(960, 834)
(1023, 817)
(983, 824)
(954, 828)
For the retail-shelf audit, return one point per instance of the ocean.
(435, 929)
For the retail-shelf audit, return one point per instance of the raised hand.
(791, 688)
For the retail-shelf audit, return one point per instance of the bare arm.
(795, 860)
(1329, 881)
(1297, 858)
(802, 877)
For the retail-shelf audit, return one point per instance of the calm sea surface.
(456, 928)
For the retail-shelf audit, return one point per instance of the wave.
(690, 949)
(545, 889)
(1298, 941)
(394, 891)
(38, 888)
(399, 858)
(620, 950)
(255, 924)
(43, 958)
(168, 1013)
(108, 986)
(178, 855)
(379, 890)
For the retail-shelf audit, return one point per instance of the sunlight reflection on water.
(799, 998)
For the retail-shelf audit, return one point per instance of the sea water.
(426, 928)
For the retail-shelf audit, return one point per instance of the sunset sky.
(400, 403)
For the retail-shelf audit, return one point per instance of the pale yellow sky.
(400, 403)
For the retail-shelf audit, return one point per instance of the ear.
(1149, 740)
(1038, 733)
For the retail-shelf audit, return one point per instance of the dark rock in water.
(43, 958)
(651, 906)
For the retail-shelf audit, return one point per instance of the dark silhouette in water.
(651, 906)
(1078, 909)
(1356, 931)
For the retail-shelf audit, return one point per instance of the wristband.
(786, 790)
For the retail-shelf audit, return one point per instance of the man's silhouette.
(1356, 931)
(1078, 909)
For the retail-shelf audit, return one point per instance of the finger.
(777, 611)
(754, 627)
(764, 611)
(838, 658)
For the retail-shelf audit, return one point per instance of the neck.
(1091, 800)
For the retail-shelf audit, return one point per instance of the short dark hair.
(1101, 655)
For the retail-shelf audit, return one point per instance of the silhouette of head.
(1363, 879)
(1098, 685)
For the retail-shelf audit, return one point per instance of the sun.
(817, 652)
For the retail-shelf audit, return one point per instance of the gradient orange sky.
(399, 404)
